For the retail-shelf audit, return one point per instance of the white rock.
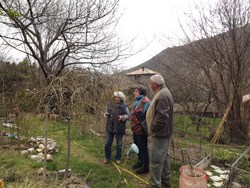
(215, 178)
(214, 167)
(24, 152)
(40, 171)
(41, 155)
(39, 138)
(217, 184)
(63, 170)
(221, 171)
(49, 157)
(31, 150)
(41, 146)
(209, 173)
(39, 150)
(224, 176)
(8, 125)
(35, 158)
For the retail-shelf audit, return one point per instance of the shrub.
(222, 156)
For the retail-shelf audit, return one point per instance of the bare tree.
(186, 82)
(3, 52)
(60, 33)
(221, 52)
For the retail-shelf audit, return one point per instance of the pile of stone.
(37, 149)
(219, 175)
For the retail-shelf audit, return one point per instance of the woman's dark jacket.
(113, 125)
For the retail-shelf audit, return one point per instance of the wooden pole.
(45, 142)
(220, 128)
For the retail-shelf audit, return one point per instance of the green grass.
(95, 173)
(86, 158)
(87, 154)
(245, 179)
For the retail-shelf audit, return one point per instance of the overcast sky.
(148, 21)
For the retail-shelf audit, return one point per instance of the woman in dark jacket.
(117, 113)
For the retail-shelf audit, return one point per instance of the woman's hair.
(119, 94)
(141, 89)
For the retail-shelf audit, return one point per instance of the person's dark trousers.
(108, 145)
(135, 138)
(141, 140)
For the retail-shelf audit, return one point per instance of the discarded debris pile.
(37, 150)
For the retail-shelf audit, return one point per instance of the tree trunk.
(238, 129)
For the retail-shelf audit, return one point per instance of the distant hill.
(168, 57)
(179, 56)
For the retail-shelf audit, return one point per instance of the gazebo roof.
(141, 71)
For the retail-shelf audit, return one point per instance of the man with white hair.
(160, 125)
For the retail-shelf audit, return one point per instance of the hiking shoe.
(105, 161)
(117, 161)
(142, 171)
(165, 185)
(137, 165)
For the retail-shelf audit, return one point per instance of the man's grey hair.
(158, 79)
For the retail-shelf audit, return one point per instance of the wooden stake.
(220, 128)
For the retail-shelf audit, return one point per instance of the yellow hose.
(133, 174)
(1, 183)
